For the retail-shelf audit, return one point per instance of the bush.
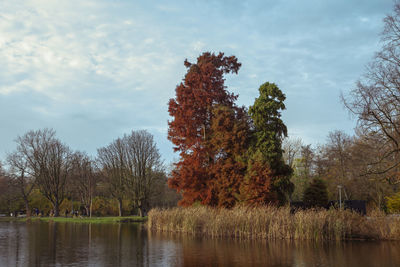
(393, 203)
(316, 194)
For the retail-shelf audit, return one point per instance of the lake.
(81, 244)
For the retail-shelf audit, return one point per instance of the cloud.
(57, 45)
(95, 69)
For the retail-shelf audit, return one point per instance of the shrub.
(316, 194)
(393, 203)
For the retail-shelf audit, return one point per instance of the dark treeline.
(43, 175)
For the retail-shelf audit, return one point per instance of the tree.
(144, 168)
(22, 180)
(190, 129)
(132, 166)
(48, 161)
(83, 179)
(256, 188)
(303, 171)
(375, 101)
(269, 131)
(229, 144)
(291, 150)
(316, 194)
(111, 160)
(8, 196)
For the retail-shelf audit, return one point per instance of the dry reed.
(273, 223)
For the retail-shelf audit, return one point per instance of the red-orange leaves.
(256, 187)
(190, 129)
(229, 143)
(222, 160)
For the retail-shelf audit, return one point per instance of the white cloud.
(198, 46)
(56, 47)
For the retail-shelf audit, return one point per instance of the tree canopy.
(227, 154)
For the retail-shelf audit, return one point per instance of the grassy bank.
(126, 219)
(274, 223)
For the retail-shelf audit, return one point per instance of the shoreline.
(124, 219)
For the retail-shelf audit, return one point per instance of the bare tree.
(48, 161)
(113, 166)
(303, 171)
(19, 172)
(83, 179)
(339, 144)
(8, 194)
(291, 150)
(144, 168)
(375, 101)
(132, 166)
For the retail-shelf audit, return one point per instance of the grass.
(126, 219)
(274, 223)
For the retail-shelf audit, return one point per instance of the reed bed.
(273, 223)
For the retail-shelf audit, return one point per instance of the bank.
(125, 219)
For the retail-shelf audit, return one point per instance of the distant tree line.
(44, 175)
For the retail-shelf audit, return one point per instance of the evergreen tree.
(316, 194)
(269, 131)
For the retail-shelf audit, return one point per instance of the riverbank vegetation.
(272, 222)
(124, 219)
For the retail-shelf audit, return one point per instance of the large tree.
(83, 179)
(132, 166)
(48, 161)
(375, 101)
(190, 128)
(269, 131)
(113, 167)
(144, 169)
(229, 143)
(19, 173)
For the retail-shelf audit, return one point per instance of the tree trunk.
(91, 208)
(119, 207)
(87, 210)
(140, 211)
(28, 210)
(56, 209)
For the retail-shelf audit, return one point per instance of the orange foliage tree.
(190, 130)
(229, 143)
(257, 187)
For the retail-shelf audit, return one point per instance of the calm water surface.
(78, 244)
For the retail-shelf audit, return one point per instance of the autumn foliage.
(216, 140)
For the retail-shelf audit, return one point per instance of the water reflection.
(74, 244)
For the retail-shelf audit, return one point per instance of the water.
(78, 244)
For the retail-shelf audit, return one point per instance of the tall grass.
(273, 223)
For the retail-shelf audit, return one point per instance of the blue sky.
(94, 70)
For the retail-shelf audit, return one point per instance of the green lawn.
(81, 219)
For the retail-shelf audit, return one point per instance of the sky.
(94, 70)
